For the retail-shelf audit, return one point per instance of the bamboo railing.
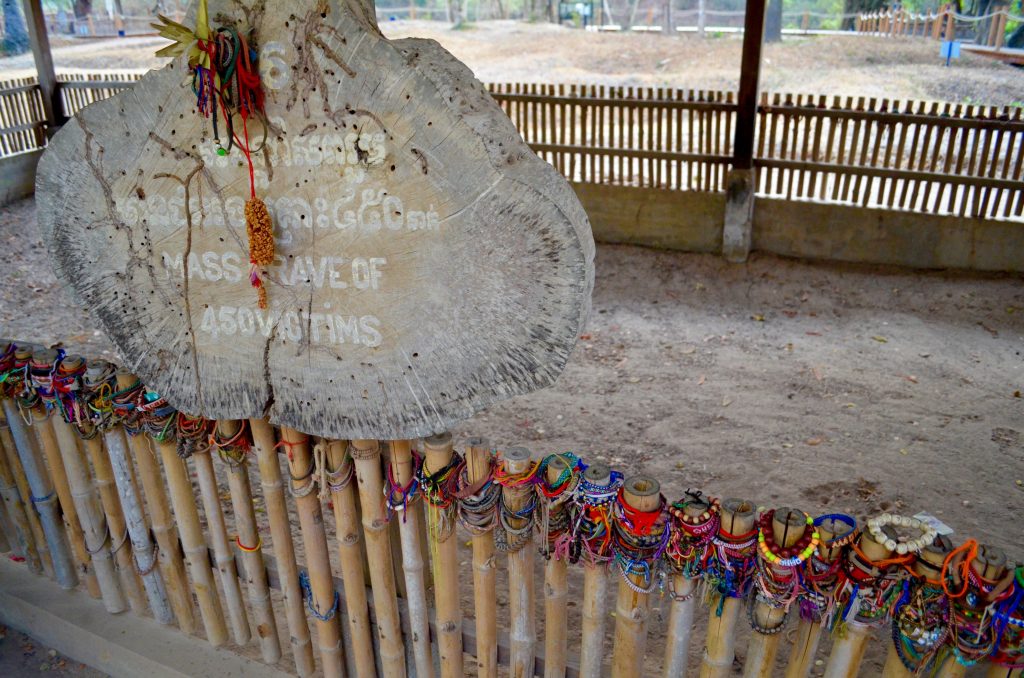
(751, 573)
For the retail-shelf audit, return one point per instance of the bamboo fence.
(694, 559)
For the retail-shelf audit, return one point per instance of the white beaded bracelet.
(901, 547)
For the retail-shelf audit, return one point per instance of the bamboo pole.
(720, 650)
(143, 548)
(444, 550)
(632, 607)
(43, 497)
(403, 473)
(322, 597)
(23, 540)
(595, 595)
(478, 467)
(369, 478)
(223, 554)
(808, 632)
(47, 441)
(103, 479)
(929, 567)
(556, 591)
(284, 548)
(522, 594)
(848, 650)
(788, 526)
(340, 473)
(170, 557)
(989, 564)
(677, 647)
(197, 556)
(233, 444)
(90, 511)
(43, 563)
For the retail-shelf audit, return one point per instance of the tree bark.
(15, 35)
(773, 22)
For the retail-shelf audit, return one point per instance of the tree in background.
(773, 22)
(15, 36)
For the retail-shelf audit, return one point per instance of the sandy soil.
(825, 387)
(520, 52)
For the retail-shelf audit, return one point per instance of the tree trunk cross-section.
(428, 263)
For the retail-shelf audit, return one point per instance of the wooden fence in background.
(926, 157)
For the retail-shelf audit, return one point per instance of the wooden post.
(25, 494)
(284, 548)
(677, 646)
(479, 461)
(556, 588)
(172, 562)
(143, 548)
(437, 453)
(196, 554)
(322, 596)
(848, 650)
(595, 594)
(232, 444)
(788, 526)
(990, 565)
(409, 525)
(24, 538)
(366, 457)
(43, 497)
(45, 75)
(522, 594)
(632, 607)
(6, 528)
(340, 473)
(928, 566)
(223, 554)
(47, 441)
(720, 650)
(737, 231)
(808, 631)
(950, 25)
(1000, 22)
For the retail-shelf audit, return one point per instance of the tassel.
(260, 230)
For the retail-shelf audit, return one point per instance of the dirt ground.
(824, 387)
(501, 51)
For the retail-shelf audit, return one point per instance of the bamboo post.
(322, 598)
(720, 650)
(43, 497)
(340, 473)
(990, 565)
(284, 548)
(369, 478)
(478, 467)
(24, 540)
(632, 607)
(522, 595)
(223, 555)
(788, 526)
(412, 559)
(677, 647)
(143, 548)
(42, 552)
(233, 444)
(438, 452)
(808, 632)
(556, 591)
(197, 556)
(928, 566)
(172, 562)
(595, 595)
(848, 650)
(47, 441)
(90, 510)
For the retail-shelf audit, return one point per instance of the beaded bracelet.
(786, 557)
(902, 547)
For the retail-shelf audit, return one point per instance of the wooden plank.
(750, 76)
